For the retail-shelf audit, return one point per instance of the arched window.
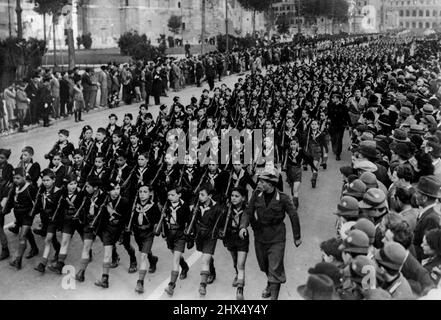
(421, 13)
(414, 13)
(407, 13)
(435, 13)
(427, 25)
(407, 24)
(427, 13)
(413, 25)
(420, 25)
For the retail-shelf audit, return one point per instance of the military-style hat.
(367, 227)
(355, 189)
(348, 207)
(357, 242)
(373, 199)
(392, 256)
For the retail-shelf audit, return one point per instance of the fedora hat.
(318, 287)
(368, 151)
(271, 176)
(399, 135)
(429, 186)
(401, 149)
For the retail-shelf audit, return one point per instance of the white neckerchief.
(120, 170)
(206, 208)
(93, 201)
(55, 169)
(114, 208)
(173, 212)
(212, 177)
(142, 211)
(236, 217)
(99, 145)
(18, 191)
(238, 177)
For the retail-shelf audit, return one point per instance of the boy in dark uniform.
(266, 212)
(48, 207)
(237, 246)
(145, 216)
(111, 223)
(80, 168)
(177, 217)
(135, 148)
(101, 145)
(21, 199)
(112, 126)
(207, 212)
(93, 204)
(6, 180)
(62, 146)
(72, 200)
(99, 170)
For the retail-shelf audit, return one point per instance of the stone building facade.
(106, 20)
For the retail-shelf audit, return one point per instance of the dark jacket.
(267, 222)
(428, 221)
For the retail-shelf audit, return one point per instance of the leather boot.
(104, 282)
(32, 253)
(139, 286)
(203, 289)
(40, 268)
(80, 275)
(57, 268)
(266, 293)
(115, 262)
(239, 293)
(16, 263)
(170, 289)
(133, 266)
(275, 289)
(14, 229)
(314, 180)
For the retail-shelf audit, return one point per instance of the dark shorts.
(176, 240)
(293, 174)
(53, 227)
(235, 243)
(206, 246)
(110, 234)
(315, 151)
(23, 219)
(70, 226)
(88, 233)
(144, 240)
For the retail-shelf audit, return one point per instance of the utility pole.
(9, 18)
(226, 24)
(203, 27)
(19, 10)
(299, 3)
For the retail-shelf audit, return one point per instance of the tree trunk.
(254, 22)
(55, 42)
(44, 28)
(19, 10)
(203, 27)
(71, 48)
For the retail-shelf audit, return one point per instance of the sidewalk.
(193, 90)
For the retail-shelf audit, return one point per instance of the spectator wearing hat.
(434, 149)
(390, 260)
(269, 229)
(396, 229)
(427, 193)
(347, 211)
(356, 105)
(318, 287)
(374, 207)
(355, 189)
(370, 180)
(367, 227)
(368, 152)
(354, 286)
(432, 249)
(355, 244)
(331, 252)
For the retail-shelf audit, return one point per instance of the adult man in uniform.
(266, 212)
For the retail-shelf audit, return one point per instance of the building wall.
(414, 14)
(106, 20)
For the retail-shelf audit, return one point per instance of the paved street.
(317, 221)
